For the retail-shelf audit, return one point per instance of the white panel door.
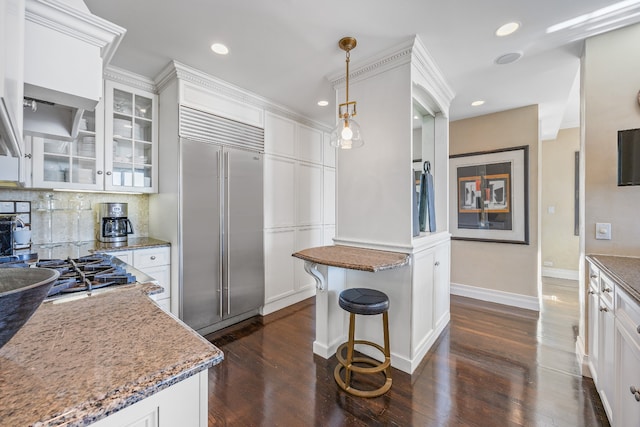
(279, 264)
(279, 136)
(329, 198)
(441, 280)
(309, 194)
(279, 192)
(310, 144)
(306, 238)
(422, 297)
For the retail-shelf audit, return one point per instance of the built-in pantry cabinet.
(614, 347)
(299, 206)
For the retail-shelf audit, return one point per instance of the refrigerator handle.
(221, 239)
(227, 240)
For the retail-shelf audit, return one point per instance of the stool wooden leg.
(387, 347)
(352, 330)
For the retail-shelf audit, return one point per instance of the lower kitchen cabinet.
(614, 347)
(155, 262)
(182, 404)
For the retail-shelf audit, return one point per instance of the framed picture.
(490, 192)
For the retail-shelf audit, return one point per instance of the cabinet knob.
(593, 276)
(592, 292)
(27, 156)
(109, 173)
(607, 290)
(99, 172)
(153, 257)
(635, 392)
(604, 309)
(437, 263)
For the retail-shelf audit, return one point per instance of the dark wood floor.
(493, 366)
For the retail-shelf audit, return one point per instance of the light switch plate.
(603, 231)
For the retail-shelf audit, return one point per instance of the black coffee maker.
(113, 224)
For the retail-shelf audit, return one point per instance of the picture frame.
(489, 194)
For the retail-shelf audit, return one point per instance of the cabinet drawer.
(151, 257)
(628, 313)
(607, 290)
(594, 276)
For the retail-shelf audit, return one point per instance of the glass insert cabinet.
(113, 148)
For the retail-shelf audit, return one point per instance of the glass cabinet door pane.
(83, 172)
(122, 151)
(143, 107)
(143, 153)
(88, 121)
(142, 130)
(122, 126)
(56, 168)
(55, 146)
(85, 146)
(122, 102)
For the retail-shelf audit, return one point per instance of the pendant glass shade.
(347, 134)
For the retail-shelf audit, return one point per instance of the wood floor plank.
(493, 366)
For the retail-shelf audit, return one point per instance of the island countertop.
(625, 271)
(353, 258)
(75, 362)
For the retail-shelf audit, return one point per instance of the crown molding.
(129, 78)
(89, 28)
(179, 71)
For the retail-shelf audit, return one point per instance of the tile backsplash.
(65, 222)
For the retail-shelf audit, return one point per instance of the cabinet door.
(606, 367)
(628, 376)
(309, 194)
(422, 298)
(309, 144)
(330, 152)
(279, 136)
(131, 149)
(592, 330)
(279, 192)
(71, 163)
(442, 282)
(279, 264)
(162, 274)
(329, 196)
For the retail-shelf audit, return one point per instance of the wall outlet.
(603, 231)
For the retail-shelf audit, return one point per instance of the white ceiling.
(285, 49)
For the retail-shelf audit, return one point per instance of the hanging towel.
(427, 208)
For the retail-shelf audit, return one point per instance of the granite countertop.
(78, 361)
(354, 258)
(625, 271)
(131, 243)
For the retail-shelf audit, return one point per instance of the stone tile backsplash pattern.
(64, 222)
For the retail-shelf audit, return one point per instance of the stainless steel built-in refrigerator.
(221, 220)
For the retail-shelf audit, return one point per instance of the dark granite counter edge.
(619, 281)
(96, 410)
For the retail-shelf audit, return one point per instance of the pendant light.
(347, 134)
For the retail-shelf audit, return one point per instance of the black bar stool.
(366, 302)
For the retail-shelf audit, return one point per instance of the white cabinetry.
(182, 404)
(601, 336)
(155, 262)
(299, 207)
(627, 362)
(115, 148)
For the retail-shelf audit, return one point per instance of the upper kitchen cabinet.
(131, 149)
(279, 136)
(66, 51)
(11, 89)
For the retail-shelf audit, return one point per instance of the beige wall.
(611, 79)
(499, 266)
(559, 244)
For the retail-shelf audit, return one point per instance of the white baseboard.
(499, 297)
(274, 306)
(560, 273)
(583, 359)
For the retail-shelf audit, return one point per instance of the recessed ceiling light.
(477, 103)
(323, 103)
(508, 28)
(219, 48)
(508, 58)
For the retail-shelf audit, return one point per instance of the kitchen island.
(114, 357)
(418, 301)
